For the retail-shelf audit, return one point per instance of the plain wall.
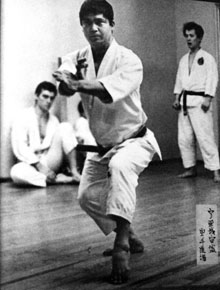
(36, 32)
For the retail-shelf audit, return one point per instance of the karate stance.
(108, 77)
(195, 88)
(41, 144)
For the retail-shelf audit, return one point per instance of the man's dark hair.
(192, 25)
(47, 86)
(97, 7)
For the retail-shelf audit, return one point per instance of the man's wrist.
(208, 97)
(94, 88)
(177, 96)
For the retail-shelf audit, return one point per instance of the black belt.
(184, 94)
(103, 150)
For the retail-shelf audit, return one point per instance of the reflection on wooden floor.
(48, 242)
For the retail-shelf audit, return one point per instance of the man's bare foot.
(120, 264)
(190, 172)
(135, 244)
(216, 176)
(121, 254)
(65, 179)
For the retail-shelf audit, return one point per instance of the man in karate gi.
(41, 144)
(195, 88)
(108, 77)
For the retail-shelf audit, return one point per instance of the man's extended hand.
(67, 77)
(68, 82)
(176, 105)
(206, 104)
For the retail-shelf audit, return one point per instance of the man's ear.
(36, 98)
(112, 26)
(113, 23)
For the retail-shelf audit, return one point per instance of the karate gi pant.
(24, 173)
(108, 183)
(197, 125)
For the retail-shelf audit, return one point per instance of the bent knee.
(23, 173)
(66, 131)
(86, 197)
(65, 127)
(16, 171)
(83, 199)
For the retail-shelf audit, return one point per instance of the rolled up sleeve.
(211, 78)
(125, 79)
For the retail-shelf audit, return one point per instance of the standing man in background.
(108, 77)
(195, 88)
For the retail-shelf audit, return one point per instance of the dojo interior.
(47, 241)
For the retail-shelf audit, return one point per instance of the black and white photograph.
(109, 152)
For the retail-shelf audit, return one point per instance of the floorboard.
(49, 243)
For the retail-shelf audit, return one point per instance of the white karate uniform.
(82, 132)
(29, 149)
(197, 125)
(108, 182)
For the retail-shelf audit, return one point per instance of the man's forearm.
(94, 88)
(69, 84)
(208, 97)
(177, 97)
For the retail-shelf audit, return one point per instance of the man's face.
(192, 39)
(45, 100)
(97, 30)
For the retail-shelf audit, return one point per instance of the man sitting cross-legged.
(42, 145)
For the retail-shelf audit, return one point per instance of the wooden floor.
(48, 242)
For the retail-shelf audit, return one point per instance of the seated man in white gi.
(109, 84)
(195, 88)
(41, 144)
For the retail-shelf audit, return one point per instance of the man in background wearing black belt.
(195, 88)
(108, 77)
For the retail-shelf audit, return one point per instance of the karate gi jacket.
(25, 136)
(202, 78)
(121, 73)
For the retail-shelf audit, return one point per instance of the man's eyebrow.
(46, 95)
